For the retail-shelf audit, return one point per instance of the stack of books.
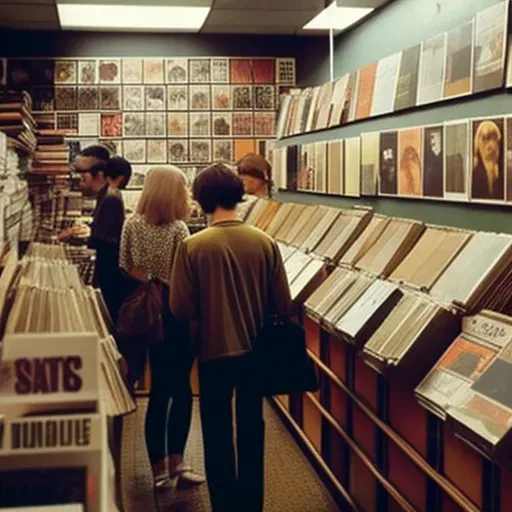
(16, 119)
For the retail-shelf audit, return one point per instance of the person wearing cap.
(256, 174)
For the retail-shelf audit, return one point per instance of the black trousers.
(232, 490)
(170, 400)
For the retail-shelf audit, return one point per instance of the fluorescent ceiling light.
(131, 17)
(337, 18)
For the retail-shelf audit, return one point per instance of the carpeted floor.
(291, 483)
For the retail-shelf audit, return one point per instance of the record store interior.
(370, 141)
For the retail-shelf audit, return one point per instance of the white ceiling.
(286, 17)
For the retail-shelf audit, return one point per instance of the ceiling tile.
(253, 30)
(285, 5)
(12, 13)
(258, 18)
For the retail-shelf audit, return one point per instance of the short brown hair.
(218, 187)
(165, 197)
(256, 166)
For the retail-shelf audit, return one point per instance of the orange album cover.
(365, 89)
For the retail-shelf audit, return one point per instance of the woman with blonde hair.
(149, 242)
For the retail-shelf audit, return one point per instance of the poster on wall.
(407, 85)
(487, 169)
(490, 45)
(365, 91)
(459, 58)
(337, 100)
(131, 71)
(385, 84)
(457, 158)
(369, 163)
(388, 179)
(410, 164)
(353, 166)
(432, 69)
(349, 107)
(433, 161)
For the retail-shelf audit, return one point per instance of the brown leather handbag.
(140, 318)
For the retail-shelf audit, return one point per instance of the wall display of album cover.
(190, 103)
(468, 59)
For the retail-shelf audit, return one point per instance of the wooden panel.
(338, 357)
(364, 432)
(407, 417)
(338, 404)
(312, 335)
(506, 490)
(194, 379)
(336, 462)
(450, 506)
(363, 486)
(463, 467)
(312, 422)
(410, 481)
(366, 382)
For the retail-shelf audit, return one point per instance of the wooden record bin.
(377, 448)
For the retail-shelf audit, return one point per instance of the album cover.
(109, 72)
(155, 97)
(221, 97)
(457, 158)
(68, 122)
(132, 71)
(407, 85)
(199, 97)
(177, 97)
(42, 71)
(200, 124)
(410, 177)
(43, 99)
(87, 72)
(157, 151)
(432, 69)
(459, 56)
(139, 173)
(369, 163)
(388, 182)
(222, 124)
(223, 150)
(509, 158)
(365, 90)
(264, 97)
(220, 71)
(241, 71)
(178, 150)
(264, 71)
(134, 124)
(20, 73)
(111, 125)
(135, 151)
(199, 70)
(242, 97)
(242, 147)
(200, 150)
(433, 161)
(65, 72)
(88, 98)
(177, 124)
(243, 124)
(89, 125)
(265, 124)
(386, 79)
(153, 71)
(490, 47)
(115, 146)
(133, 97)
(177, 71)
(488, 173)
(285, 71)
(66, 98)
(156, 124)
(110, 98)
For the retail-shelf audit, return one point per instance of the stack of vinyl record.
(16, 119)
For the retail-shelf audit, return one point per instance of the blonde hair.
(165, 197)
(488, 127)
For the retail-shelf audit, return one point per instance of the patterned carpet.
(291, 483)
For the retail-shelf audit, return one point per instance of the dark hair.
(98, 167)
(119, 166)
(96, 151)
(218, 186)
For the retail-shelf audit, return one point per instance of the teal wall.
(397, 26)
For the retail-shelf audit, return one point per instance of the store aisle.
(291, 483)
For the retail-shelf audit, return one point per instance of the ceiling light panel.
(337, 18)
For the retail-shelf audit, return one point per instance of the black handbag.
(280, 360)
